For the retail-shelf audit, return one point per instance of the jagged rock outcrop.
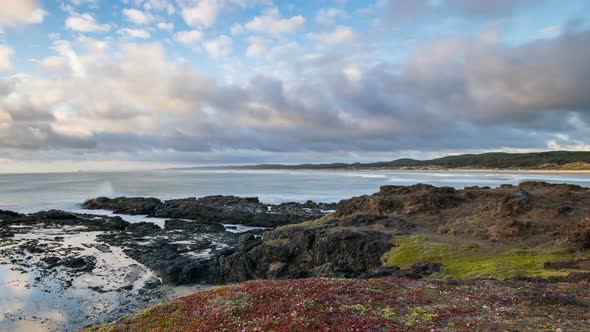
(63, 218)
(352, 243)
(351, 247)
(532, 212)
(400, 200)
(124, 205)
(218, 209)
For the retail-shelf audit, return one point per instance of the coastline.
(458, 170)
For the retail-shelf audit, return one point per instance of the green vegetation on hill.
(511, 160)
(552, 160)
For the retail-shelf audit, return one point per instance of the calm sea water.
(33, 192)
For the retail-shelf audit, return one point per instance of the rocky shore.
(535, 231)
(247, 211)
(111, 261)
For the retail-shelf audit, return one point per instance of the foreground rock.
(350, 248)
(548, 221)
(221, 209)
(532, 212)
(370, 305)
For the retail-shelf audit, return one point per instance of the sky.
(94, 84)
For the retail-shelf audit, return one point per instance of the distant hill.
(553, 160)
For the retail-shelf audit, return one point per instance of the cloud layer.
(287, 89)
(451, 94)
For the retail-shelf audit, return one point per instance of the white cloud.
(352, 73)
(219, 47)
(137, 16)
(135, 33)
(79, 2)
(550, 31)
(328, 16)
(160, 5)
(13, 12)
(98, 92)
(189, 37)
(237, 29)
(6, 54)
(166, 26)
(342, 34)
(256, 50)
(85, 23)
(267, 48)
(250, 3)
(202, 14)
(272, 23)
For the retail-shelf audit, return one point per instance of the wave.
(105, 189)
(364, 175)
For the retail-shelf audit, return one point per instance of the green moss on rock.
(472, 261)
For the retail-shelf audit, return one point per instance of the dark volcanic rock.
(62, 218)
(143, 228)
(393, 224)
(6, 215)
(76, 264)
(217, 209)
(81, 264)
(124, 205)
(294, 252)
(225, 209)
(194, 226)
(561, 265)
(4, 233)
(383, 271)
(419, 198)
(32, 247)
(53, 215)
(247, 241)
(426, 268)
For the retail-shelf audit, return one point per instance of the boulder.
(124, 205)
(80, 264)
(248, 241)
(194, 226)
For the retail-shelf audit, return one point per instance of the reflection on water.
(35, 299)
(22, 296)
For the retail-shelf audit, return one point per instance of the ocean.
(65, 191)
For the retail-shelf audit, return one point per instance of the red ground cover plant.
(302, 305)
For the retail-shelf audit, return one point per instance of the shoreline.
(456, 170)
(261, 170)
